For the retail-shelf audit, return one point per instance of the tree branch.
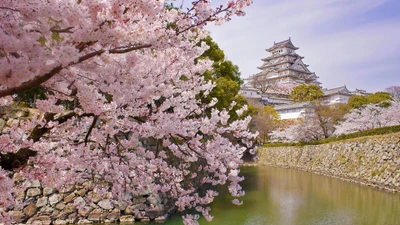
(120, 50)
(32, 83)
(65, 30)
(91, 128)
(6, 8)
(45, 77)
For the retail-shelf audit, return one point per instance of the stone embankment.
(373, 161)
(80, 204)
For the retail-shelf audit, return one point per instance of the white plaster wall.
(338, 99)
(290, 115)
(250, 94)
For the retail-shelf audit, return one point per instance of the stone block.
(79, 201)
(84, 221)
(126, 219)
(84, 211)
(68, 189)
(72, 218)
(81, 192)
(36, 183)
(45, 220)
(69, 208)
(145, 220)
(20, 196)
(129, 210)
(94, 196)
(46, 210)
(105, 204)
(69, 198)
(48, 191)
(160, 219)
(60, 222)
(139, 206)
(96, 215)
(17, 216)
(30, 210)
(153, 213)
(54, 199)
(18, 178)
(60, 206)
(41, 201)
(2, 123)
(114, 215)
(11, 122)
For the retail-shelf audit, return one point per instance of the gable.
(299, 65)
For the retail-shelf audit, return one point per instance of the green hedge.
(376, 131)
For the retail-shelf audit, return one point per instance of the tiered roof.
(286, 43)
(339, 90)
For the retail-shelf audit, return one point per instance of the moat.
(277, 196)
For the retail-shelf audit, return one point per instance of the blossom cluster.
(137, 125)
(369, 117)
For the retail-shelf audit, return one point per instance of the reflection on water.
(277, 196)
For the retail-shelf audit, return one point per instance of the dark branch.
(129, 48)
(90, 129)
(41, 79)
(32, 83)
(66, 30)
(6, 8)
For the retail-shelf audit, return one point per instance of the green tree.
(378, 97)
(357, 101)
(226, 76)
(306, 92)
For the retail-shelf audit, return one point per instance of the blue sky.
(346, 42)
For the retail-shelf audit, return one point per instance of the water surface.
(277, 196)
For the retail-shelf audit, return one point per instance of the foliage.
(370, 116)
(264, 121)
(226, 77)
(306, 92)
(357, 101)
(137, 124)
(29, 97)
(365, 133)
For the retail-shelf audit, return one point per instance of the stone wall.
(373, 161)
(80, 204)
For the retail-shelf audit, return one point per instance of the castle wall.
(373, 161)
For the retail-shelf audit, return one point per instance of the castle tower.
(281, 71)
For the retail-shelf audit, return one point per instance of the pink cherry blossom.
(137, 124)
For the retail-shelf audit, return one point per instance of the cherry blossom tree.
(316, 124)
(305, 130)
(369, 117)
(394, 91)
(137, 124)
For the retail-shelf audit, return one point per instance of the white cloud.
(337, 41)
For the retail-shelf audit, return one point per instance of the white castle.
(280, 72)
